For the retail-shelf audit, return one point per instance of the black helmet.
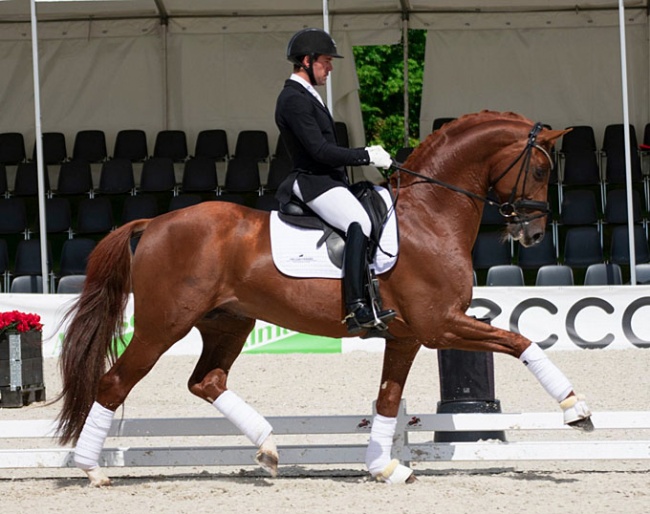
(310, 42)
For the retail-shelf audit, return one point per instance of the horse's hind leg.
(224, 336)
(136, 361)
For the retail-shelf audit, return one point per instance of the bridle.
(515, 211)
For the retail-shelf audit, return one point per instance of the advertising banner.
(569, 318)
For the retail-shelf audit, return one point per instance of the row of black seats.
(581, 247)
(70, 284)
(23, 273)
(98, 216)
(510, 275)
(72, 276)
(117, 177)
(554, 275)
(131, 144)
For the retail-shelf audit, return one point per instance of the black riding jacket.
(309, 132)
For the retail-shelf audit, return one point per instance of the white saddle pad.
(296, 254)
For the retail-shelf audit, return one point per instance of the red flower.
(20, 321)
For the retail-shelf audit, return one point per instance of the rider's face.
(321, 68)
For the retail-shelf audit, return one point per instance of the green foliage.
(381, 82)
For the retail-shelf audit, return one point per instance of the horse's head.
(520, 176)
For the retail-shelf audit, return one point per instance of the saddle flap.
(298, 251)
(296, 212)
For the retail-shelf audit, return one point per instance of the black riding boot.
(360, 315)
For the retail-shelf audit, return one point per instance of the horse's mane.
(423, 152)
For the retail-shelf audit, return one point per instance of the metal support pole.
(39, 150)
(405, 41)
(328, 86)
(626, 132)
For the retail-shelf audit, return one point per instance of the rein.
(511, 210)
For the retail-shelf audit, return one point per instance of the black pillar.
(467, 386)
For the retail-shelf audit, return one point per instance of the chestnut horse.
(209, 266)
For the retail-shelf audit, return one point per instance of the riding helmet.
(310, 42)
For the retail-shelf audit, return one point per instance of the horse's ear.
(551, 136)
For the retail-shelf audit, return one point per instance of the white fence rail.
(201, 453)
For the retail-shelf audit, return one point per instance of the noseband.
(515, 211)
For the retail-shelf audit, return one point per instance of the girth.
(296, 212)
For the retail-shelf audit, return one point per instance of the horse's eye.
(539, 173)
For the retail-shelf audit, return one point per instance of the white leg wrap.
(551, 378)
(380, 444)
(252, 424)
(91, 441)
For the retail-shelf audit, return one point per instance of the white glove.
(379, 157)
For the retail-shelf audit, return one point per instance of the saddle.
(296, 212)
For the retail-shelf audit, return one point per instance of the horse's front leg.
(398, 359)
(467, 333)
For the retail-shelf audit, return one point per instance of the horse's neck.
(440, 210)
(430, 213)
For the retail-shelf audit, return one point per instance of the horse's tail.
(95, 328)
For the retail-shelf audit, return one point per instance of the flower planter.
(21, 368)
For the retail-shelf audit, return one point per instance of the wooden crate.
(21, 369)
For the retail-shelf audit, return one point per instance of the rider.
(319, 178)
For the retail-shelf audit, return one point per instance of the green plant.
(381, 82)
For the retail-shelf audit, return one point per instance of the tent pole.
(626, 132)
(165, 65)
(326, 28)
(405, 41)
(39, 150)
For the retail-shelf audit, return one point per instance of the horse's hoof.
(585, 424)
(396, 473)
(97, 477)
(577, 413)
(268, 462)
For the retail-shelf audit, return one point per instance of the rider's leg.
(340, 208)
(359, 314)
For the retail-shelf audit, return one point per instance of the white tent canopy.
(561, 68)
(155, 64)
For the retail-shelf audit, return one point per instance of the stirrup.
(361, 317)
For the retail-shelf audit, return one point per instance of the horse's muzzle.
(528, 233)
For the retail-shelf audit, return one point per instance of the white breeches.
(338, 207)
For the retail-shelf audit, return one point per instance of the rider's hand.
(379, 157)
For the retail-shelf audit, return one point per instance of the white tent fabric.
(203, 64)
(559, 68)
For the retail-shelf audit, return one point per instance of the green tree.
(381, 81)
